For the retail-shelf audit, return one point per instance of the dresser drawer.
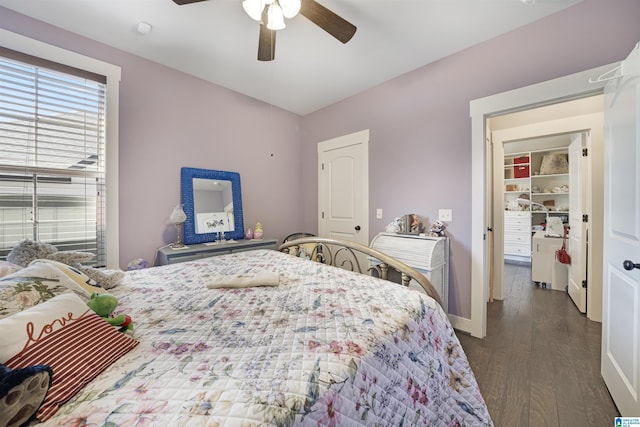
(517, 249)
(518, 229)
(167, 255)
(517, 238)
(513, 219)
(517, 214)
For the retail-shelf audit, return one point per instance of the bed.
(293, 342)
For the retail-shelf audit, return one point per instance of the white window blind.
(52, 148)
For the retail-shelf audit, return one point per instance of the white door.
(577, 235)
(343, 188)
(621, 287)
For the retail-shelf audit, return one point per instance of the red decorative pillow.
(77, 349)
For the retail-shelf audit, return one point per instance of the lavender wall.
(197, 124)
(168, 120)
(420, 130)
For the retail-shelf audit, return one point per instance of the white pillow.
(7, 267)
(33, 285)
(86, 282)
(30, 325)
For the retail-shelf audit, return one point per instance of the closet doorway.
(526, 137)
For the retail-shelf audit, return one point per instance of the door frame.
(590, 123)
(573, 86)
(360, 138)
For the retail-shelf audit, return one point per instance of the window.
(44, 51)
(52, 155)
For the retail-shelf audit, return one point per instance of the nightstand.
(167, 255)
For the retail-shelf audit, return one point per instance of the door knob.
(357, 228)
(630, 265)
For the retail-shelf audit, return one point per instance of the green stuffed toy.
(104, 305)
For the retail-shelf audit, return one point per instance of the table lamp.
(178, 217)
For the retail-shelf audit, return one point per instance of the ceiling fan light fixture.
(290, 8)
(254, 8)
(275, 18)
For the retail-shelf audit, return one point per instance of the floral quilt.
(324, 347)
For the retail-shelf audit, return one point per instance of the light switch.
(379, 213)
(445, 215)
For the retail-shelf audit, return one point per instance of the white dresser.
(428, 255)
(517, 235)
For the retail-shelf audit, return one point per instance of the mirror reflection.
(212, 205)
(212, 201)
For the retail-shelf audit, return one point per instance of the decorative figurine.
(248, 234)
(257, 232)
(437, 229)
(415, 225)
(394, 226)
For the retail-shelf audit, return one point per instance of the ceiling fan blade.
(182, 2)
(327, 20)
(266, 44)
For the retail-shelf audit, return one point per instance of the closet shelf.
(550, 194)
(522, 179)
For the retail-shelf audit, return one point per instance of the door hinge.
(323, 166)
(585, 152)
(322, 215)
(584, 284)
(585, 218)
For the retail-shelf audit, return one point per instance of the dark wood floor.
(540, 362)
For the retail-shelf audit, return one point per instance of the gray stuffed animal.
(437, 229)
(28, 250)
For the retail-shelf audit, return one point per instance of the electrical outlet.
(379, 213)
(445, 215)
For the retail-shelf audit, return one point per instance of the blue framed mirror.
(212, 200)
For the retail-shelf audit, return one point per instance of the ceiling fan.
(324, 18)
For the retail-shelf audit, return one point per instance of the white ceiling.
(216, 41)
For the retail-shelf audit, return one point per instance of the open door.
(621, 282)
(577, 241)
